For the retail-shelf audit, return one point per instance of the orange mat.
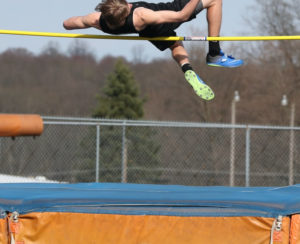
(78, 228)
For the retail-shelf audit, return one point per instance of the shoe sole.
(223, 66)
(201, 89)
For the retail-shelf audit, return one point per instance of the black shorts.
(168, 29)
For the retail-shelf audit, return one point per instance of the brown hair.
(114, 12)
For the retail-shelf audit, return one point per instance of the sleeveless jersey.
(166, 29)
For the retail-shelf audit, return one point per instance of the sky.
(48, 16)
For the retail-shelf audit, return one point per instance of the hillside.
(53, 83)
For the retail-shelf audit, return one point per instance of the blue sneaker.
(223, 60)
(201, 89)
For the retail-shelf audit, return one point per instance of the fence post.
(97, 152)
(247, 160)
(235, 99)
(292, 145)
(232, 155)
(124, 154)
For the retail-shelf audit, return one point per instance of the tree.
(279, 17)
(121, 96)
(121, 101)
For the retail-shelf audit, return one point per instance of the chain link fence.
(91, 150)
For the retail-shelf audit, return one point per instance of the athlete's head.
(114, 12)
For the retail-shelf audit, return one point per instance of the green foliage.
(121, 96)
(143, 155)
(140, 151)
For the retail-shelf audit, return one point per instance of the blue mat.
(135, 199)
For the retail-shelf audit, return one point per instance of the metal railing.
(101, 150)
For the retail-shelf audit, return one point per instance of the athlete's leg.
(214, 16)
(82, 22)
(180, 55)
(215, 56)
(214, 21)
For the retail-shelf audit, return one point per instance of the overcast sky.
(47, 16)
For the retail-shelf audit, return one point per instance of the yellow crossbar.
(170, 38)
(68, 35)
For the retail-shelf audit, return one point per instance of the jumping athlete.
(161, 19)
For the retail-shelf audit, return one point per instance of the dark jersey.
(166, 29)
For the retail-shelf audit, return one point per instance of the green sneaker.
(201, 89)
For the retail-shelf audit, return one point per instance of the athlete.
(161, 19)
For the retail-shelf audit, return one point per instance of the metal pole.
(291, 145)
(124, 154)
(125, 167)
(247, 160)
(97, 152)
(236, 98)
(232, 144)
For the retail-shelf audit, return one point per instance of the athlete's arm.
(146, 16)
(82, 22)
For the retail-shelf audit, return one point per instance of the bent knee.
(209, 3)
(176, 45)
